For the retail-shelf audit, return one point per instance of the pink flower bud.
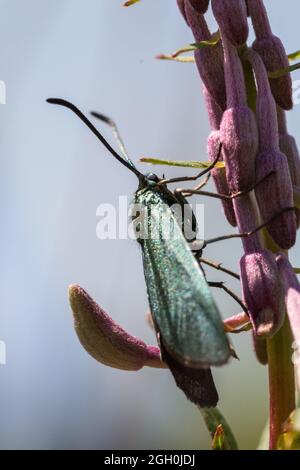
(274, 194)
(200, 6)
(232, 19)
(234, 75)
(262, 292)
(266, 110)
(246, 221)
(238, 129)
(105, 340)
(288, 146)
(209, 60)
(219, 176)
(239, 137)
(272, 53)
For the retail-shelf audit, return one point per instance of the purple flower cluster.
(258, 152)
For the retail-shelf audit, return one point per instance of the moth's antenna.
(95, 131)
(111, 123)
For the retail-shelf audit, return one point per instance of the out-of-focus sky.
(54, 174)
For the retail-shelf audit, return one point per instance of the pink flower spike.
(262, 292)
(209, 60)
(292, 299)
(232, 19)
(272, 52)
(105, 340)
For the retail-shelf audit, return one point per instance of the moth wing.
(180, 298)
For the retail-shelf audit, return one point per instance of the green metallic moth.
(187, 321)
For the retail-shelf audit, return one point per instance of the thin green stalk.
(281, 381)
(214, 418)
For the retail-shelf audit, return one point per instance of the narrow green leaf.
(131, 2)
(214, 419)
(282, 72)
(184, 60)
(297, 270)
(190, 48)
(294, 55)
(193, 164)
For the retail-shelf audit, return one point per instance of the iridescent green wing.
(180, 298)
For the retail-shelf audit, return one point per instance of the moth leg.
(219, 267)
(262, 180)
(224, 197)
(199, 175)
(248, 234)
(191, 192)
(221, 285)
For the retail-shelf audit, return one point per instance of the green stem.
(281, 381)
(213, 418)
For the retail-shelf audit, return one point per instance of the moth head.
(152, 179)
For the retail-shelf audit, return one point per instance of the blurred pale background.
(54, 174)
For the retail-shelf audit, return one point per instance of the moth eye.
(152, 178)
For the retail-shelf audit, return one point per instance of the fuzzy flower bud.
(276, 192)
(232, 19)
(272, 52)
(288, 146)
(219, 176)
(105, 340)
(274, 195)
(209, 60)
(214, 111)
(213, 145)
(238, 129)
(262, 292)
